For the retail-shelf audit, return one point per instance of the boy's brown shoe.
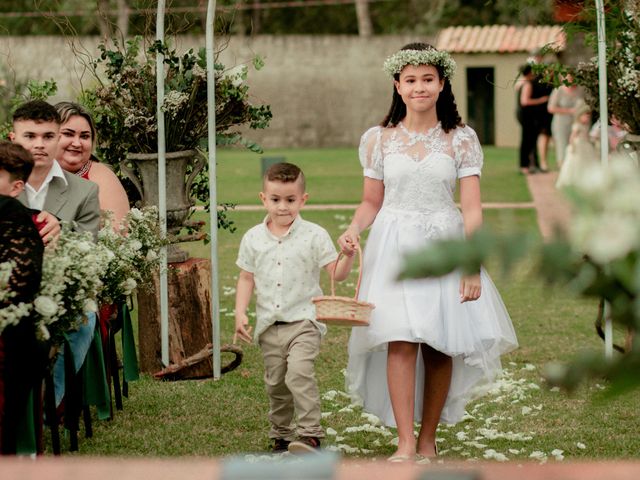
(305, 445)
(280, 445)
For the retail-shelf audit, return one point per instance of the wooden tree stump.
(189, 319)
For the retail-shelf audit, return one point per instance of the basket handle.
(333, 272)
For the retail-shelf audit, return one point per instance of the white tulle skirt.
(429, 311)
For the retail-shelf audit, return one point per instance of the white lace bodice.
(419, 171)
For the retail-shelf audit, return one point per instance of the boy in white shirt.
(281, 259)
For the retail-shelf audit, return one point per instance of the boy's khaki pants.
(289, 351)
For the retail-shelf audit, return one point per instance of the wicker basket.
(345, 311)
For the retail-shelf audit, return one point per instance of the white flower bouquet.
(71, 280)
(136, 248)
(10, 314)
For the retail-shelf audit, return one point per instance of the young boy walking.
(281, 259)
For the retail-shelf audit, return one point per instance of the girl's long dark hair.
(446, 108)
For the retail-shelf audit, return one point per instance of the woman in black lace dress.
(21, 359)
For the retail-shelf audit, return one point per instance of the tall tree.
(365, 29)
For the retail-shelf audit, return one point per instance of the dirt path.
(552, 208)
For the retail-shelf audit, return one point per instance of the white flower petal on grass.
(529, 367)
(581, 445)
(492, 454)
(372, 419)
(331, 431)
(330, 395)
(347, 448)
(394, 441)
(345, 410)
(538, 455)
(514, 451)
(461, 436)
(478, 445)
(525, 410)
(339, 438)
(554, 389)
(326, 414)
(558, 454)
(368, 428)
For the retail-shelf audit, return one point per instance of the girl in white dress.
(580, 153)
(430, 341)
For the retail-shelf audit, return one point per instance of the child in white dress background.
(580, 152)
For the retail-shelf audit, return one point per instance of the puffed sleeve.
(467, 151)
(246, 258)
(370, 152)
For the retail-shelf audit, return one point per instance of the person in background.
(562, 105)
(36, 127)
(74, 153)
(22, 359)
(529, 118)
(580, 152)
(615, 132)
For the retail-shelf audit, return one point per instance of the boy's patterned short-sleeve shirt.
(286, 271)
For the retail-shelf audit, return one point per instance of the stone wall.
(323, 90)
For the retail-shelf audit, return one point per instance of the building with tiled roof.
(489, 58)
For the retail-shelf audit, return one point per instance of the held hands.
(470, 288)
(243, 329)
(349, 240)
(51, 228)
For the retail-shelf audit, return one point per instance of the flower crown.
(396, 62)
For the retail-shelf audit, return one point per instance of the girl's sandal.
(400, 458)
(425, 460)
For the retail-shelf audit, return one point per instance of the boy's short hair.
(16, 160)
(38, 111)
(285, 173)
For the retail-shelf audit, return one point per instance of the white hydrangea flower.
(611, 238)
(45, 306)
(129, 285)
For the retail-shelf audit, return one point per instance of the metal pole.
(162, 188)
(213, 199)
(604, 141)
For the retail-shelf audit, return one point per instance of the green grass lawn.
(519, 418)
(334, 175)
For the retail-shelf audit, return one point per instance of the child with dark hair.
(281, 259)
(430, 341)
(16, 164)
